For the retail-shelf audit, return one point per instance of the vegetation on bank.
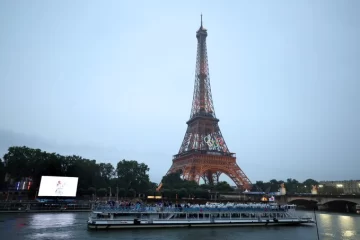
(128, 178)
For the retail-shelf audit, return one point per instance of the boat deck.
(193, 217)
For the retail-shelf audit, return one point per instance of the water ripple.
(72, 226)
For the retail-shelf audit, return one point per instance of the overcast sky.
(110, 80)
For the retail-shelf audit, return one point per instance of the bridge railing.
(321, 196)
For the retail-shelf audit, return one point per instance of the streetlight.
(117, 194)
(109, 193)
(339, 186)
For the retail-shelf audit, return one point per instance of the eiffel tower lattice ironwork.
(203, 152)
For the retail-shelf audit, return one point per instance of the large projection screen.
(51, 186)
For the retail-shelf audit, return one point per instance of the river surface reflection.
(41, 226)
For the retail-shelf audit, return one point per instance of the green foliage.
(183, 193)
(150, 192)
(166, 192)
(152, 186)
(310, 182)
(102, 192)
(91, 190)
(133, 175)
(200, 193)
(174, 181)
(121, 192)
(131, 193)
(206, 186)
(223, 187)
(2, 174)
(24, 162)
(106, 171)
(130, 177)
(174, 185)
(291, 185)
(81, 192)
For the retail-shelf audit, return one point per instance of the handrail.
(185, 210)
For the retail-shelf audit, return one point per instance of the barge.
(195, 216)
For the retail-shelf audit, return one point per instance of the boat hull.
(187, 224)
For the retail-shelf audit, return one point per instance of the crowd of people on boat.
(188, 207)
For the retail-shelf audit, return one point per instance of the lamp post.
(339, 188)
(117, 194)
(109, 193)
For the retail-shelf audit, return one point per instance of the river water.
(54, 226)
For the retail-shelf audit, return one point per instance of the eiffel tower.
(203, 152)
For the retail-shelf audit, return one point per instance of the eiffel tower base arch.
(210, 167)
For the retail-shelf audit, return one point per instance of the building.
(344, 187)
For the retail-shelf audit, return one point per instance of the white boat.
(190, 216)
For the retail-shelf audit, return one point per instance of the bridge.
(323, 202)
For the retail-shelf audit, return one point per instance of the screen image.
(58, 186)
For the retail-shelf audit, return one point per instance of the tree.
(223, 187)
(2, 174)
(102, 192)
(292, 185)
(106, 171)
(166, 192)
(23, 162)
(189, 184)
(274, 185)
(172, 180)
(150, 192)
(132, 174)
(310, 182)
(207, 186)
(152, 185)
(182, 193)
(81, 192)
(200, 193)
(91, 190)
(259, 186)
(131, 193)
(122, 192)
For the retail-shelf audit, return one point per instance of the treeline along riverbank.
(128, 178)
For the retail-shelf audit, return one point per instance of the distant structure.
(345, 187)
(203, 152)
(282, 189)
(314, 190)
